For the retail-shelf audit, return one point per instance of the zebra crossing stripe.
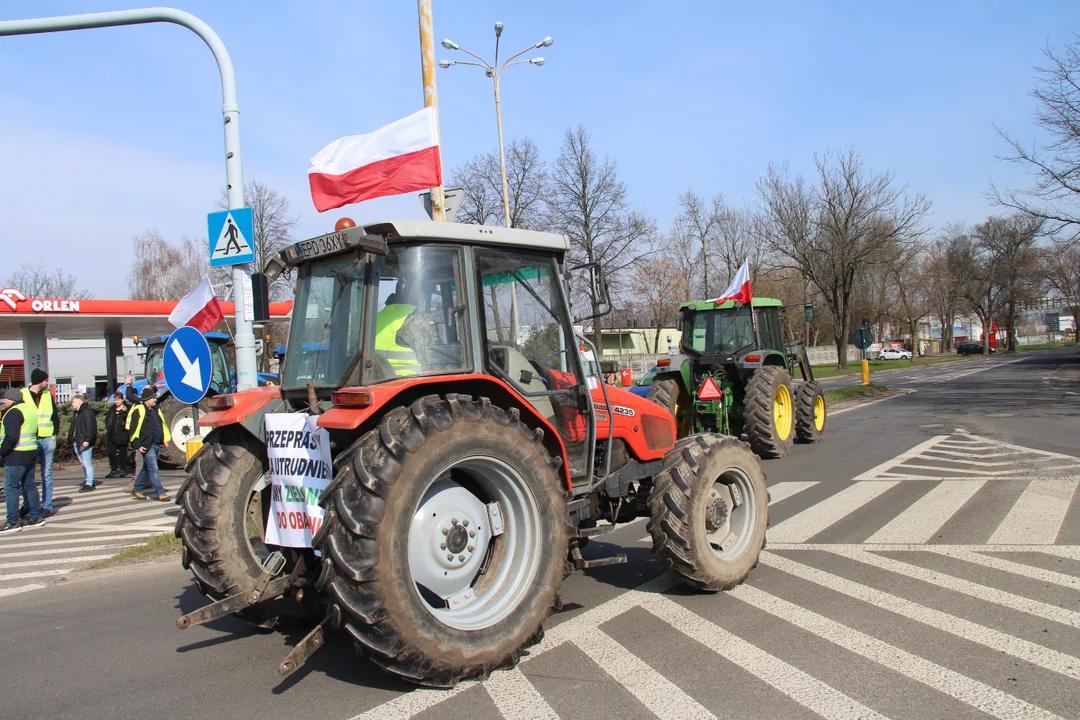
(661, 696)
(801, 687)
(1037, 515)
(949, 682)
(53, 561)
(808, 523)
(965, 587)
(919, 522)
(37, 574)
(57, 551)
(8, 592)
(66, 540)
(889, 464)
(987, 637)
(516, 698)
(782, 491)
(976, 557)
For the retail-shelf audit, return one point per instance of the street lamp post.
(494, 71)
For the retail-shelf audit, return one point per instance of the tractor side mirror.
(598, 284)
(809, 312)
(678, 322)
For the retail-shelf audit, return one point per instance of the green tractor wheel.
(670, 394)
(769, 412)
(810, 412)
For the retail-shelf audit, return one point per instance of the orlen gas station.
(72, 331)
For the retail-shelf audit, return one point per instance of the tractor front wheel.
(445, 539)
(670, 394)
(769, 412)
(810, 412)
(709, 510)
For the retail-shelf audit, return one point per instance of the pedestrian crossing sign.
(230, 236)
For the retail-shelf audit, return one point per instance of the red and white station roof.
(70, 319)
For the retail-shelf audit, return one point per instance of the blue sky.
(105, 133)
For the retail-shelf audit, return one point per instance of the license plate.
(323, 245)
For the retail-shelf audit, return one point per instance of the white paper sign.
(300, 469)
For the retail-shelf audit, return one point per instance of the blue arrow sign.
(231, 237)
(187, 365)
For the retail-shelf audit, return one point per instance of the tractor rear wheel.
(225, 505)
(445, 540)
(769, 412)
(708, 512)
(670, 394)
(810, 412)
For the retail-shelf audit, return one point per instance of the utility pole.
(431, 94)
(246, 366)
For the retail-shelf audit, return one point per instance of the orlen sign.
(12, 297)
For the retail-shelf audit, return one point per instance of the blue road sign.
(231, 237)
(187, 365)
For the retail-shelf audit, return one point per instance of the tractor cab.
(154, 363)
(416, 302)
(732, 333)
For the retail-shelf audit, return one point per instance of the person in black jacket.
(82, 435)
(18, 449)
(117, 437)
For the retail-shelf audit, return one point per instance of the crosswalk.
(86, 528)
(942, 583)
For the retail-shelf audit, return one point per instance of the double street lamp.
(494, 71)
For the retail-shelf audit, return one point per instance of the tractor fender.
(646, 428)
(247, 410)
(404, 391)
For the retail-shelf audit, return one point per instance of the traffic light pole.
(246, 369)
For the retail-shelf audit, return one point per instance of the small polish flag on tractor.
(739, 289)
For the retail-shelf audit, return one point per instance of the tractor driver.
(402, 330)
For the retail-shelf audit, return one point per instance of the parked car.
(641, 387)
(894, 354)
(971, 348)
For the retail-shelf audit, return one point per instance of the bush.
(65, 453)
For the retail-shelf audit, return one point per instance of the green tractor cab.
(734, 376)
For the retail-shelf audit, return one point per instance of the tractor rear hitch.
(304, 649)
(580, 563)
(265, 586)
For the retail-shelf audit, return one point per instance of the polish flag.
(739, 289)
(199, 309)
(399, 158)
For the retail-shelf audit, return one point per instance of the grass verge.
(1045, 346)
(856, 391)
(154, 547)
(825, 371)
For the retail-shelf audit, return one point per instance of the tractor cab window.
(155, 364)
(420, 311)
(769, 325)
(326, 322)
(527, 341)
(721, 332)
(219, 372)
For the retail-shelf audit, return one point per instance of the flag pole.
(431, 96)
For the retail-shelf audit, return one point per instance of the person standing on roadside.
(48, 424)
(135, 400)
(19, 451)
(117, 436)
(82, 435)
(148, 433)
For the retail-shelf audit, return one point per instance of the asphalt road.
(903, 374)
(923, 561)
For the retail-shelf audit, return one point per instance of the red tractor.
(473, 455)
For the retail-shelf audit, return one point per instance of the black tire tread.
(758, 420)
(804, 412)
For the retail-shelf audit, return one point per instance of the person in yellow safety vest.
(402, 332)
(148, 433)
(39, 395)
(19, 450)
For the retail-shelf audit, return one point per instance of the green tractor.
(733, 376)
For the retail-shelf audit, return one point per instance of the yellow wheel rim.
(819, 413)
(783, 412)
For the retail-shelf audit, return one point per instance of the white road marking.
(966, 587)
(784, 490)
(808, 523)
(1037, 516)
(972, 692)
(918, 523)
(58, 551)
(996, 640)
(661, 696)
(516, 698)
(1072, 552)
(801, 687)
(38, 574)
(54, 561)
(889, 464)
(97, 537)
(124, 509)
(8, 592)
(976, 556)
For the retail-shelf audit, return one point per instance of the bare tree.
(905, 273)
(1055, 197)
(699, 222)
(975, 271)
(832, 232)
(588, 202)
(526, 182)
(659, 288)
(1062, 273)
(161, 271)
(733, 244)
(272, 226)
(1011, 244)
(939, 289)
(36, 281)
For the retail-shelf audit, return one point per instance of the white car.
(894, 354)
